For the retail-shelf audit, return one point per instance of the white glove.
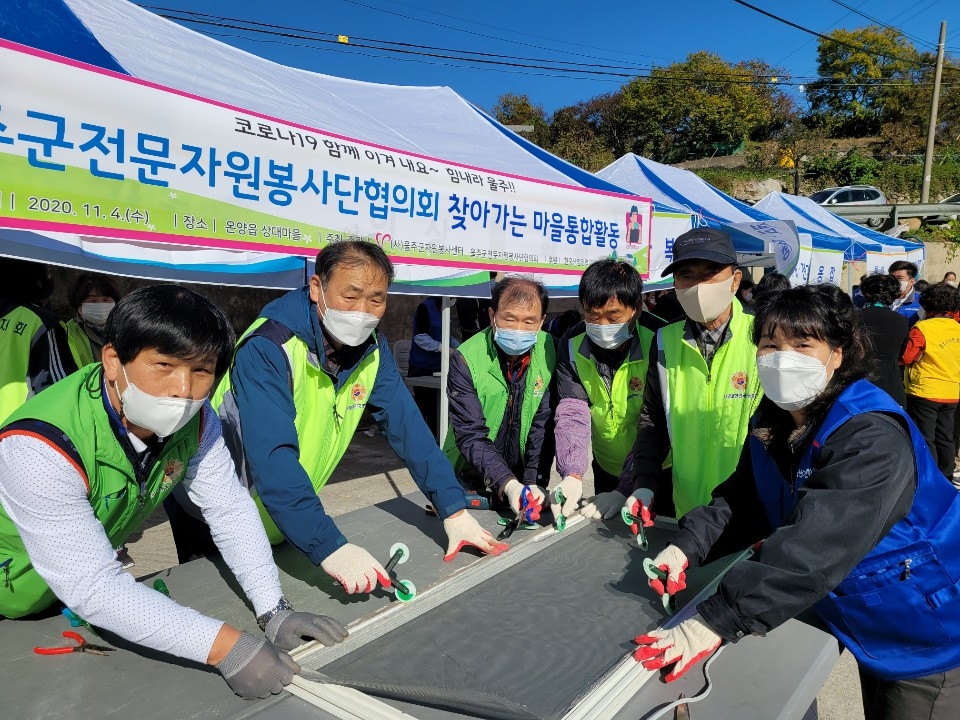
(603, 506)
(462, 530)
(355, 569)
(674, 563)
(638, 505)
(682, 646)
(514, 490)
(572, 490)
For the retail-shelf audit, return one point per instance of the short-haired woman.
(858, 521)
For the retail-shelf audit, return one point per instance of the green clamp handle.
(561, 520)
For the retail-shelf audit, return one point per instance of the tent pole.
(444, 369)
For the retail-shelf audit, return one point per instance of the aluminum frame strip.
(343, 702)
(316, 656)
(628, 677)
(602, 702)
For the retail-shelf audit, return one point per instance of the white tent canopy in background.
(806, 212)
(433, 121)
(684, 189)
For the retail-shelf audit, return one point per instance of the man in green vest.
(300, 380)
(702, 388)
(34, 353)
(601, 368)
(499, 391)
(85, 463)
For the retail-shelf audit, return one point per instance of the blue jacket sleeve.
(261, 387)
(393, 408)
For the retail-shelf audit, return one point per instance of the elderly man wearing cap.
(700, 392)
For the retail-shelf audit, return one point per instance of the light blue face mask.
(514, 342)
(609, 336)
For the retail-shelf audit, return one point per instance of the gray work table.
(774, 677)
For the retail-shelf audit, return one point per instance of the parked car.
(853, 195)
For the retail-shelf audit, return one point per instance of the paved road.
(370, 473)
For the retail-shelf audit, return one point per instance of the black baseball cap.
(702, 244)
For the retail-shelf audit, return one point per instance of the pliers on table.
(81, 646)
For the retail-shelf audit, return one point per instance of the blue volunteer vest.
(420, 358)
(898, 611)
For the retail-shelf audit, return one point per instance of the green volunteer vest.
(480, 354)
(17, 330)
(79, 343)
(326, 418)
(75, 406)
(614, 410)
(708, 412)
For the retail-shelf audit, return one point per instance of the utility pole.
(932, 127)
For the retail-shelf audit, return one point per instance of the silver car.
(853, 195)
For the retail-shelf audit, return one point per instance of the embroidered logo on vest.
(172, 472)
(636, 387)
(740, 380)
(358, 393)
(538, 386)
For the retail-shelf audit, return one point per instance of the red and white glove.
(674, 563)
(514, 491)
(463, 530)
(639, 505)
(355, 569)
(682, 646)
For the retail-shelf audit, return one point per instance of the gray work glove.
(256, 669)
(290, 629)
(603, 506)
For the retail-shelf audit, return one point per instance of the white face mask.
(904, 285)
(952, 283)
(608, 336)
(351, 327)
(95, 314)
(162, 416)
(705, 302)
(790, 379)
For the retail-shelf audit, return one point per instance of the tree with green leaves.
(513, 109)
(867, 77)
(702, 106)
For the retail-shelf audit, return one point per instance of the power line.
(914, 38)
(494, 27)
(585, 69)
(858, 48)
(875, 21)
(209, 19)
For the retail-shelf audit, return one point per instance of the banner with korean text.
(88, 151)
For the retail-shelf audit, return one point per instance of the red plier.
(81, 646)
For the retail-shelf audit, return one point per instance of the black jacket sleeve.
(568, 381)
(50, 357)
(861, 487)
(650, 449)
(535, 438)
(469, 425)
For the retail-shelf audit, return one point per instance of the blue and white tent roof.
(125, 38)
(685, 190)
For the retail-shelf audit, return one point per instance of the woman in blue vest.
(859, 522)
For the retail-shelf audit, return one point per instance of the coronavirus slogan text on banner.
(84, 150)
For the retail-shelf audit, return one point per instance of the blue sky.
(628, 35)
